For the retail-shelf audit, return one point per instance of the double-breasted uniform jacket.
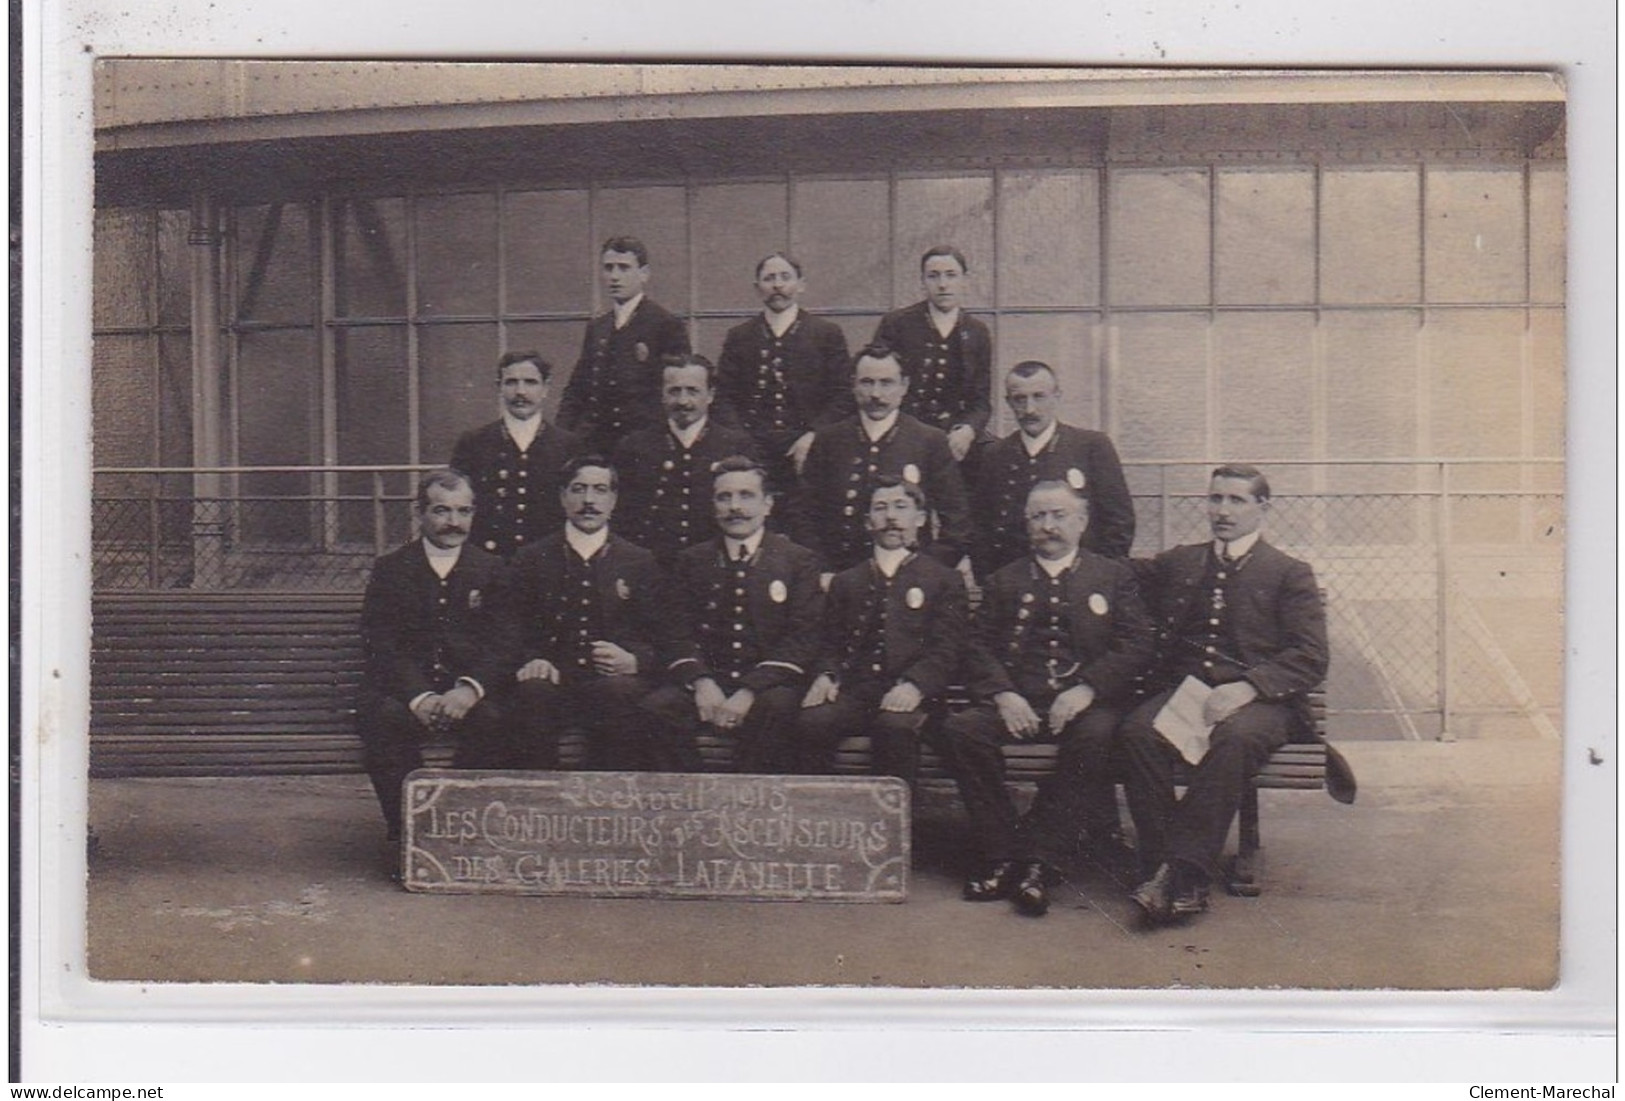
(421, 632)
(1268, 628)
(516, 493)
(842, 468)
(882, 630)
(779, 387)
(950, 378)
(1040, 635)
(615, 386)
(563, 605)
(665, 488)
(747, 625)
(1080, 457)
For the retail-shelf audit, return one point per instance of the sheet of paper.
(1180, 720)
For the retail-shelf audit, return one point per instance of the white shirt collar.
(1236, 547)
(687, 436)
(751, 545)
(944, 322)
(442, 560)
(623, 310)
(780, 322)
(523, 432)
(876, 429)
(890, 560)
(1035, 444)
(1058, 566)
(584, 544)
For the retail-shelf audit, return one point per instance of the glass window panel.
(1371, 390)
(559, 342)
(1159, 238)
(658, 216)
(1266, 237)
(1049, 239)
(738, 225)
(122, 406)
(1475, 235)
(456, 255)
(1160, 379)
(954, 211)
(841, 234)
(548, 248)
(1474, 380)
(1548, 217)
(370, 257)
(174, 400)
(1546, 359)
(373, 418)
(1370, 248)
(1266, 388)
(278, 425)
(456, 372)
(276, 271)
(174, 269)
(1069, 343)
(122, 268)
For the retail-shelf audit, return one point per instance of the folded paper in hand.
(1181, 722)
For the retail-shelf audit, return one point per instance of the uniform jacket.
(924, 610)
(615, 387)
(950, 379)
(837, 480)
(421, 633)
(778, 387)
(1105, 622)
(1080, 457)
(781, 608)
(516, 493)
(665, 495)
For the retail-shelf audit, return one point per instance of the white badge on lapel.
(915, 598)
(777, 592)
(1097, 604)
(1075, 479)
(911, 474)
(622, 589)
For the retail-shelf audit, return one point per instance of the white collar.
(1056, 567)
(442, 560)
(687, 436)
(731, 546)
(623, 310)
(876, 429)
(1236, 547)
(1035, 444)
(523, 432)
(890, 561)
(584, 544)
(943, 322)
(780, 322)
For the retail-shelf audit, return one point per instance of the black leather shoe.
(1156, 896)
(1031, 898)
(996, 881)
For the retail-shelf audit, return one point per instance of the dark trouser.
(765, 740)
(1193, 829)
(621, 736)
(1080, 795)
(392, 745)
(894, 736)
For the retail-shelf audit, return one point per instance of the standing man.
(849, 458)
(435, 645)
(665, 469)
(1043, 449)
(616, 383)
(947, 352)
(513, 462)
(784, 373)
(894, 629)
(590, 608)
(1246, 622)
(1060, 637)
(750, 607)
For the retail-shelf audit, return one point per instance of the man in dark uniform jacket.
(848, 458)
(894, 629)
(784, 373)
(435, 646)
(750, 606)
(591, 615)
(1060, 638)
(947, 353)
(1246, 620)
(514, 461)
(616, 383)
(665, 469)
(1043, 449)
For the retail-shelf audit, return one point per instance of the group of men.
(772, 547)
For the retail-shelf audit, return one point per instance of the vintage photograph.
(723, 525)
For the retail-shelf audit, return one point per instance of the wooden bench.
(187, 684)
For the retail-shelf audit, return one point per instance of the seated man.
(590, 611)
(1060, 638)
(1246, 620)
(750, 606)
(894, 627)
(435, 645)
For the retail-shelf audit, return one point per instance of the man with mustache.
(784, 372)
(1044, 449)
(615, 386)
(437, 647)
(894, 626)
(591, 620)
(514, 461)
(666, 468)
(750, 605)
(1060, 637)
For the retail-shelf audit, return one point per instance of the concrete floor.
(1443, 875)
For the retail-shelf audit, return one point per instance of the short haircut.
(627, 244)
(526, 356)
(785, 256)
(1028, 368)
(740, 464)
(1257, 484)
(444, 477)
(878, 349)
(892, 481)
(689, 359)
(1066, 487)
(569, 470)
(945, 250)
